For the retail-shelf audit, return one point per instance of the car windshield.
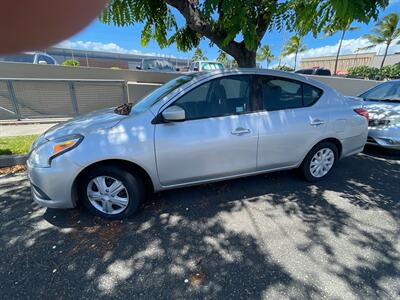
(160, 93)
(23, 58)
(388, 91)
(212, 66)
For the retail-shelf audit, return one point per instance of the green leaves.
(185, 39)
(222, 57)
(199, 55)
(294, 45)
(237, 26)
(363, 72)
(265, 53)
(385, 31)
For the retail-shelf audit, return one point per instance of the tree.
(294, 46)
(222, 57)
(235, 26)
(343, 26)
(265, 53)
(284, 68)
(71, 63)
(198, 55)
(385, 31)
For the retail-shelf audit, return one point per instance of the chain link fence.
(48, 98)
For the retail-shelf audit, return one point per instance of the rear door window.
(282, 93)
(311, 94)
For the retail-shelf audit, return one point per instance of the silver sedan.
(383, 105)
(197, 128)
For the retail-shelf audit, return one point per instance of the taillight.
(362, 112)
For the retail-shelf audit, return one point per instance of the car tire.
(112, 192)
(319, 162)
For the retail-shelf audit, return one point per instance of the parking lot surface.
(268, 236)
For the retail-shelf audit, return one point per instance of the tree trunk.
(295, 60)
(384, 56)
(245, 58)
(338, 52)
(267, 63)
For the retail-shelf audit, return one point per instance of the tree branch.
(193, 19)
(264, 20)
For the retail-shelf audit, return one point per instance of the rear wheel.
(112, 192)
(320, 161)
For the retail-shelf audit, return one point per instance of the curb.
(12, 160)
(33, 122)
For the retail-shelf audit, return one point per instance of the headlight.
(45, 153)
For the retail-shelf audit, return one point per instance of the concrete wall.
(137, 91)
(347, 86)
(19, 70)
(140, 83)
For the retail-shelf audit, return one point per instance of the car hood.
(383, 111)
(100, 119)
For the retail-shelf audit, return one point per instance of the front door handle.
(317, 122)
(240, 131)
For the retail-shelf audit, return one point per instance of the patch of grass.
(16, 144)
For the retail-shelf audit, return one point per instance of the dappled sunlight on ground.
(268, 236)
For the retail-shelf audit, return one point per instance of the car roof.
(208, 61)
(256, 71)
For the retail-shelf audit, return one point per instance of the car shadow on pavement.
(264, 236)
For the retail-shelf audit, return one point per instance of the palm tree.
(385, 31)
(198, 55)
(265, 53)
(222, 57)
(343, 27)
(294, 46)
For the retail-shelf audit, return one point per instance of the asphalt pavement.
(263, 237)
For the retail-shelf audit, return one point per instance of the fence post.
(124, 93)
(13, 99)
(74, 101)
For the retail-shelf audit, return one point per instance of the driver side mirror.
(174, 114)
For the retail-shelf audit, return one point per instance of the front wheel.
(112, 192)
(319, 162)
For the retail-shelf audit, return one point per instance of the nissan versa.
(197, 128)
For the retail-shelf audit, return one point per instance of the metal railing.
(46, 98)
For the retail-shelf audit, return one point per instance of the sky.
(101, 37)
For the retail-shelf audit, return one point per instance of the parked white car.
(30, 58)
(197, 128)
(383, 105)
(202, 65)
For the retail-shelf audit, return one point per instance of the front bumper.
(52, 187)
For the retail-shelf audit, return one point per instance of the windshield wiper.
(382, 100)
(391, 100)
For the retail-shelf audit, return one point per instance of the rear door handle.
(240, 131)
(317, 122)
